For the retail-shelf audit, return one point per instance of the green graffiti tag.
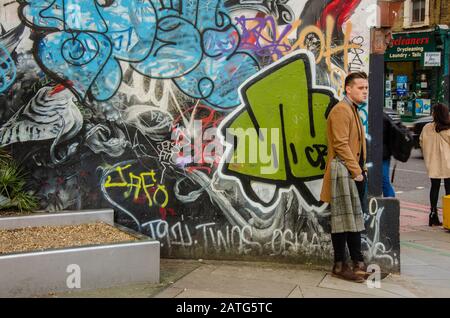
(287, 112)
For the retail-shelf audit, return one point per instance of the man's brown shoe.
(360, 269)
(343, 271)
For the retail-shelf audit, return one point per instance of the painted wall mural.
(201, 122)
(296, 152)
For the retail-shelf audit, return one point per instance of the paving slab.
(331, 282)
(412, 220)
(398, 289)
(296, 293)
(321, 292)
(425, 272)
(440, 283)
(426, 261)
(204, 279)
(300, 277)
(426, 233)
(425, 254)
(170, 292)
(435, 244)
(194, 293)
(432, 260)
(431, 289)
(408, 260)
(409, 285)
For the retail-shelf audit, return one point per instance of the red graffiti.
(207, 169)
(60, 87)
(164, 211)
(340, 10)
(209, 118)
(84, 173)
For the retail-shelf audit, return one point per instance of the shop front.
(413, 75)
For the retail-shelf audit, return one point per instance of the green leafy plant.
(12, 186)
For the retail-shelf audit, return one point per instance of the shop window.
(418, 11)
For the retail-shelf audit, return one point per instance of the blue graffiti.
(193, 43)
(364, 114)
(7, 69)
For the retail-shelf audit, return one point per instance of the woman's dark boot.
(433, 218)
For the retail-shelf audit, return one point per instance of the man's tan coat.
(345, 134)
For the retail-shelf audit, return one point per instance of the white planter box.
(76, 268)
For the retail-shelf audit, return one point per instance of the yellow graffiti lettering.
(124, 183)
(270, 34)
(338, 79)
(137, 183)
(161, 188)
(312, 29)
(146, 185)
(133, 184)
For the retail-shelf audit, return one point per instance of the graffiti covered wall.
(201, 122)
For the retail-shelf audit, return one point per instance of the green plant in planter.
(12, 183)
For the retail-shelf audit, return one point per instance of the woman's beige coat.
(436, 151)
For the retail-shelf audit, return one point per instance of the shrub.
(12, 185)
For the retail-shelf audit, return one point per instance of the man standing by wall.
(345, 179)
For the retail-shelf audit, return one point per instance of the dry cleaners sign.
(410, 47)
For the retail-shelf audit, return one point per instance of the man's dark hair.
(352, 76)
(441, 117)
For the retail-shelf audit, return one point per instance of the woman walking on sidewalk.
(435, 143)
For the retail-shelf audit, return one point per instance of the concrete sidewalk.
(425, 272)
(234, 279)
(237, 279)
(425, 251)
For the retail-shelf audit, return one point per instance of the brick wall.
(445, 12)
(398, 23)
(439, 14)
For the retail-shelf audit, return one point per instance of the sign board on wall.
(410, 46)
(432, 59)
